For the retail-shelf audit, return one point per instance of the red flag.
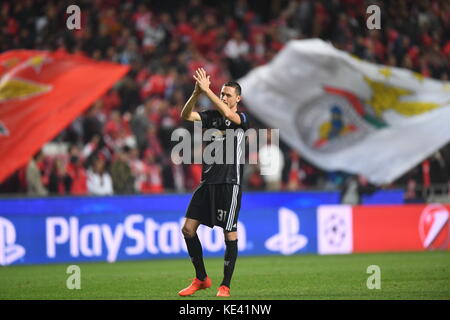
(41, 93)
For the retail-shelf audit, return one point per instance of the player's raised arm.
(187, 113)
(203, 82)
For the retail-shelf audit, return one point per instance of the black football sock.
(196, 253)
(230, 257)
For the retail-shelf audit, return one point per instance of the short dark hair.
(234, 85)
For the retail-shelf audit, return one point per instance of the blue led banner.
(71, 229)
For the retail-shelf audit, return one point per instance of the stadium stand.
(124, 138)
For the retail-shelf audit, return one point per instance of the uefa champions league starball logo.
(335, 230)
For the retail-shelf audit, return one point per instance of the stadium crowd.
(122, 143)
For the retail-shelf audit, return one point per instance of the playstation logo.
(9, 250)
(288, 240)
(335, 230)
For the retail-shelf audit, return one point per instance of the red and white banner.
(345, 229)
(41, 92)
(400, 228)
(343, 113)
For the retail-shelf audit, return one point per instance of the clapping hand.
(202, 80)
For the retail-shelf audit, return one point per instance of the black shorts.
(216, 205)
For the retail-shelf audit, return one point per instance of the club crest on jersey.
(227, 122)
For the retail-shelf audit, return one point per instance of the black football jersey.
(222, 160)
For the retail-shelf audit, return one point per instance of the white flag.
(342, 113)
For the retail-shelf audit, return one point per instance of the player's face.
(229, 97)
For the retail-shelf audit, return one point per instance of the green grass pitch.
(415, 275)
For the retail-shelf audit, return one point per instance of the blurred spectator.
(140, 124)
(296, 173)
(76, 171)
(350, 191)
(271, 163)
(111, 101)
(121, 175)
(129, 95)
(153, 182)
(60, 182)
(99, 181)
(259, 49)
(439, 169)
(254, 180)
(35, 186)
(155, 85)
(173, 174)
(354, 187)
(114, 125)
(237, 51)
(90, 148)
(137, 168)
(153, 142)
(92, 125)
(194, 175)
